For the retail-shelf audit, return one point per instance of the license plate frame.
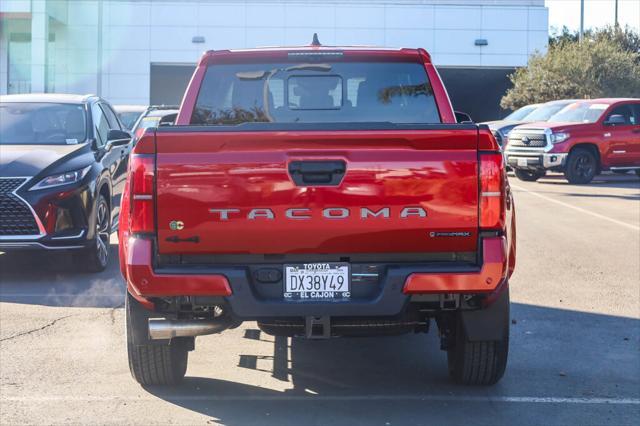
(522, 162)
(317, 289)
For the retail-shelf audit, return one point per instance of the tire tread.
(155, 364)
(569, 168)
(478, 363)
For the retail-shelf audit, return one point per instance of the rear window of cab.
(319, 92)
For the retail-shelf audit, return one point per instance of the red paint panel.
(146, 283)
(493, 272)
(434, 170)
(443, 102)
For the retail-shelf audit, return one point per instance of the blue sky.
(597, 13)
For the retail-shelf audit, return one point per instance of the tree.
(605, 64)
(628, 39)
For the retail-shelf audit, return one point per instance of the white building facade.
(136, 51)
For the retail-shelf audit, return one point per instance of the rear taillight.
(142, 181)
(492, 202)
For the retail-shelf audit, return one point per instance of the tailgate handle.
(317, 173)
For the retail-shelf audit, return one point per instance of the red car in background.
(581, 140)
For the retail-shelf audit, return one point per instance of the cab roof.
(285, 53)
(318, 48)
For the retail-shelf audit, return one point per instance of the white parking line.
(329, 398)
(580, 209)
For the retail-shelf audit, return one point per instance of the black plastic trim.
(317, 173)
(398, 259)
(246, 303)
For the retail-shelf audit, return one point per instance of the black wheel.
(480, 362)
(95, 257)
(152, 363)
(529, 175)
(581, 166)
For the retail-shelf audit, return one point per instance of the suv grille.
(532, 140)
(16, 218)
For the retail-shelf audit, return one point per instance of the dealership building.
(144, 51)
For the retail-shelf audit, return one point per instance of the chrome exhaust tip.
(163, 329)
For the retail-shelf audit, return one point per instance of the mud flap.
(490, 323)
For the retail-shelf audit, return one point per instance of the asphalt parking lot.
(574, 358)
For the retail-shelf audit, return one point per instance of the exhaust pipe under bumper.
(160, 329)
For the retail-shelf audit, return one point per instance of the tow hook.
(317, 327)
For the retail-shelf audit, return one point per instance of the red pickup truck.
(581, 140)
(321, 192)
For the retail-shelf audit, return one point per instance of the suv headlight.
(61, 179)
(559, 137)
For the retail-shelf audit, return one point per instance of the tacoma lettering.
(327, 213)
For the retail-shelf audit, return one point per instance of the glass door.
(19, 59)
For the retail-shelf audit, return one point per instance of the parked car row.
(579, 138)
(526, 114)
(155, 116)
(270, 211)
(129, 114)
(139, 117)
(65, 157)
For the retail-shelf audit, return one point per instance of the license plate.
(317, 281)
(522, 162)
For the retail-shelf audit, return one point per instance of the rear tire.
(478, 362)
(152, 363)
(581, 166)
(529, 175)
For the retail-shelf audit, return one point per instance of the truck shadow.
(608, 180)
(401, 379)
(53, 279)
(619, 197)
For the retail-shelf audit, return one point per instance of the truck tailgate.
(402, 191)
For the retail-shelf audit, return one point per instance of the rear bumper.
(490, 275)
(145, 282)
(390, 296)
